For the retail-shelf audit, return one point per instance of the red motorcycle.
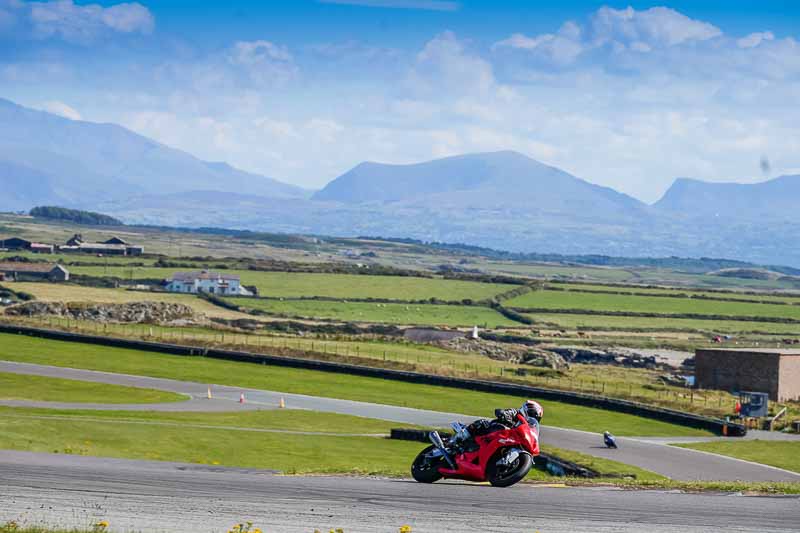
(502, 457)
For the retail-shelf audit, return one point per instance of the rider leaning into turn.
(505, 419)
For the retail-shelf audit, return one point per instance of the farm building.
(33, 271)
(113, 246)
(15, 243)
(207, 282)
(774, 371)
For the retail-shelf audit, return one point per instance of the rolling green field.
(22, 387)
(780, 454)
(732, 295)
(295, 284)
(551, 271)
(59, 353)
(625, 323)
(556, 300)
(385, 313)
(65, 259)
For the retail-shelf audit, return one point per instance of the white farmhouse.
(208, 282)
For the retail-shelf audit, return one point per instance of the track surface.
(676, 463)
(157, 496)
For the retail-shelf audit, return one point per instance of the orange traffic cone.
(241, 398)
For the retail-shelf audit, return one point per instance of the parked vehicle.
(502, 457)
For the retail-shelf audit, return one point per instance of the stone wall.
(738, 370)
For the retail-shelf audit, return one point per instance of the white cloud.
(626, 98)
(754, 39)
(263, 61)
(653, 28)
(617, 30)
(77, 24)
(561, 48)
(444, 64)
(61, 109)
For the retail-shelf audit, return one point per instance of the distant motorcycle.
(609, 439)
(502, 457)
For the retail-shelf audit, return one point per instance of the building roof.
(115, 240)
(762, 351)
(27, 267)
(203, 274)
(92, 246)
(17, 240)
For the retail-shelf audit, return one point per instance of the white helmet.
(532, 409)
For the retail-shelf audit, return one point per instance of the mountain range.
(498, 199)
(45, 158)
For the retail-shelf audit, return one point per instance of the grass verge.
(226, 439)
(376, 390)
(23, 387)
(780, 454)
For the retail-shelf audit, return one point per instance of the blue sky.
(629, 95)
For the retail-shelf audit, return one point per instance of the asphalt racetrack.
(654, 455)
(160, 496)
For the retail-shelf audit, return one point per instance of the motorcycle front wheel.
(505, 476)
(426, 469)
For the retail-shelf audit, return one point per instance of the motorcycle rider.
(504, 419)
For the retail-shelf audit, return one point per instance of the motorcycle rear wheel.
(426, 470)
(515, 472)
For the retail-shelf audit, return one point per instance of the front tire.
(513, 473)
(425, 469)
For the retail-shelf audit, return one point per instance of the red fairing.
(472, 465)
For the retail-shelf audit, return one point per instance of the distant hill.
(494, 179)
(778, 198)
(45, 158)
(89, 218)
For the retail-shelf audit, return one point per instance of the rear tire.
(426, 470)
(514, 473)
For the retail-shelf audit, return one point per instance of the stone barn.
(774, 371)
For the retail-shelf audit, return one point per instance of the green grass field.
(780, 454)
(33, 350)
(296, 284)
(66, 259)
(552, 271)
(254, 439)
(226, 439)
(385, 313)
(626, 323)
(556, 300)
(22, 387)
(731, 294)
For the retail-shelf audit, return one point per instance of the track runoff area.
(70, 483)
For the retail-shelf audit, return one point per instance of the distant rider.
(609, 439)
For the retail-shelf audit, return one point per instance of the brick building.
(774, 371)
